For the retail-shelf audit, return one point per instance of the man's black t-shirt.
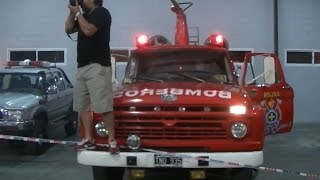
(95, 48)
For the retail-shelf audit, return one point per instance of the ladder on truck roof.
(194, 36)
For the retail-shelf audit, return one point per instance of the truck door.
(263, 79)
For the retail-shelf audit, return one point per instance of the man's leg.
(108, 120)
(101, 95)
(87, 123)
(81, 101)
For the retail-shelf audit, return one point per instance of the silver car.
(33, 100)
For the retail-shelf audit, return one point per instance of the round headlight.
(238, 130)
(157, 108)
(207, 109)
(100, 129)
(133, 142)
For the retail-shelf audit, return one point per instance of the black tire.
(16, 144)
(40, 131)
(71, 126)
(243, 173)
(107, 173)
(231, 174)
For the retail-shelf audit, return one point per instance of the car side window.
(60, 81)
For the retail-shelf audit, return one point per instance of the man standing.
(93, 78)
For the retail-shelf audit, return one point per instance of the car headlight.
(14, 115)
(239, 130)
(101, 130)
(238, 109)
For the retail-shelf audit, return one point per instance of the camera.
(73, 2)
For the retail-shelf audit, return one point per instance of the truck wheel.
(40, 131)
(243, 173)
(107, 173)
(71, 126)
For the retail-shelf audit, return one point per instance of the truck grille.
(171, 124)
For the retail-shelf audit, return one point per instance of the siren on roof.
(217, 40)
(158, 40)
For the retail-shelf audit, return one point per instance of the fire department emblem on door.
(273, 115)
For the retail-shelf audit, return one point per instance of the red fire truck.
(182, 105)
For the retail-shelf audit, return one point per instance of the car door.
(264, 80)
(52, 99)
(64, 95)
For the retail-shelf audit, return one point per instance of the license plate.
(167, 161)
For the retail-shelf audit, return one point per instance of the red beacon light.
(217, 40)
(40, 64)
(141, 40)
(29, 63)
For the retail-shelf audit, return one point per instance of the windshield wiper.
(192, 77)
(228, 82)
(182, 74)
(140, 77)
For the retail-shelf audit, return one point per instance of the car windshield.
(179, 65)
(20, 83)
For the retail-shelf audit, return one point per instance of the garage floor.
(297, 151)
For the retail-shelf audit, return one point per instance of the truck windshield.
(179, 66)
(20, 83)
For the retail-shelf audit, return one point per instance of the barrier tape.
(269, 169)
(262, 168)
(42, 140)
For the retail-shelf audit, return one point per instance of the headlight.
(134, 142)
(238, 130)
(238, 109)
(182, 109)
(100, 129)
(14, 115)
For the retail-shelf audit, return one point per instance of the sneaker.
(113, 147)
(85, 144)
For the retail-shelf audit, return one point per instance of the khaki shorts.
(93, 87)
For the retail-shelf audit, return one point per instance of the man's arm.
(87, 28)
(70, 24)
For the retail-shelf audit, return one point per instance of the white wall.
(245, 23)
(40, 23)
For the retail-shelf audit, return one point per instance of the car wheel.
(40, 131)
(243, 173)
(107, 173)
(71, 126)
(231, 174)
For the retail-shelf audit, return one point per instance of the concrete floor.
(297, 151)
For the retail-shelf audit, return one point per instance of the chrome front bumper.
(13, 126)
(147, 159)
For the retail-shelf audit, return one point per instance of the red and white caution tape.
(262, 168)
(40, 140)
(269, 169)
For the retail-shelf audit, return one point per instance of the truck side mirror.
(269, 70)
(235, 72)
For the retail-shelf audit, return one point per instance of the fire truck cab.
(182, 108)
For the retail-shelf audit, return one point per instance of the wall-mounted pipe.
(276, 26)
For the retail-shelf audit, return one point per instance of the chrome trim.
(168, 97)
